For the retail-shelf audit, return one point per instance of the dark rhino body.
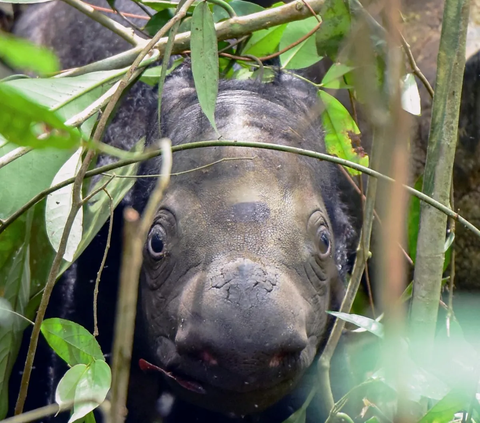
(248, 248)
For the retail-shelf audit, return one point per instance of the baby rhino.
(248, 247)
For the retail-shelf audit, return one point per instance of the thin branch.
(102, 265)
(358, 268)
(14, 155)
(415, 69)
(126, 33)
(246, 144)
(107, 10)
(231, 28)
(135, 235)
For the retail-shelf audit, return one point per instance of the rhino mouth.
(185, 382)
(239, 402)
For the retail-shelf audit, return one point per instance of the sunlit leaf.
(265, 41)
(205, 60)
(59, 204)
(22, 54)
(445, 409)
(303, 54)
(410, 96)
(86, 385)
(72, 342)
(334, 77)
(363, 322)
(26, 123)
(342, 136)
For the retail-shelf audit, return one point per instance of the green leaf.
(335, 27)
(205, 60)
(72, 342)
(152, 75)
(341, 132)
(410, 96)
(55, 93)
(157, 21)
(14, 291)
(242, 8)
(22, 54)
(22, 121)
(444, 410)
(264, 42)
(159, 5)
(334, 77)
(97, 210)
(363, 322)
(86, 385)
(304, 54)
(59, 204)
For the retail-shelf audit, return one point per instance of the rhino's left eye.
(156, 243)
(324, 241)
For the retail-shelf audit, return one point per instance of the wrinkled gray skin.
(244, 256)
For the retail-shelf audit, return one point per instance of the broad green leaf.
(14, 291)
(55, 93)
(86, 385)
(242, 8)
(410, 96)
(361, 321)
(157, 21)
(39, 166)
(21, 54)
(65, 392)
(72, 342)
(95, 383)
(265, 41)
(372, 420)
(444, 410)
(205, 60)
(334, 77)
(59, 204)
(26, 123)
(335, 27)
(303, 54)
(97, 210)
(342, 137)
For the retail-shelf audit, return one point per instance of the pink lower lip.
(187, 384)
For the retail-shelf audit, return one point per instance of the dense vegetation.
(51, 131)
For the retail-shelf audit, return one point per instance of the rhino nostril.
(283, 359)
(203, 356)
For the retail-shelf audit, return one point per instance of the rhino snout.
(244, 328)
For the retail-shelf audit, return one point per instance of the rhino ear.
(179, 89)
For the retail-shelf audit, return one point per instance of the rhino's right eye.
(156, 243)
